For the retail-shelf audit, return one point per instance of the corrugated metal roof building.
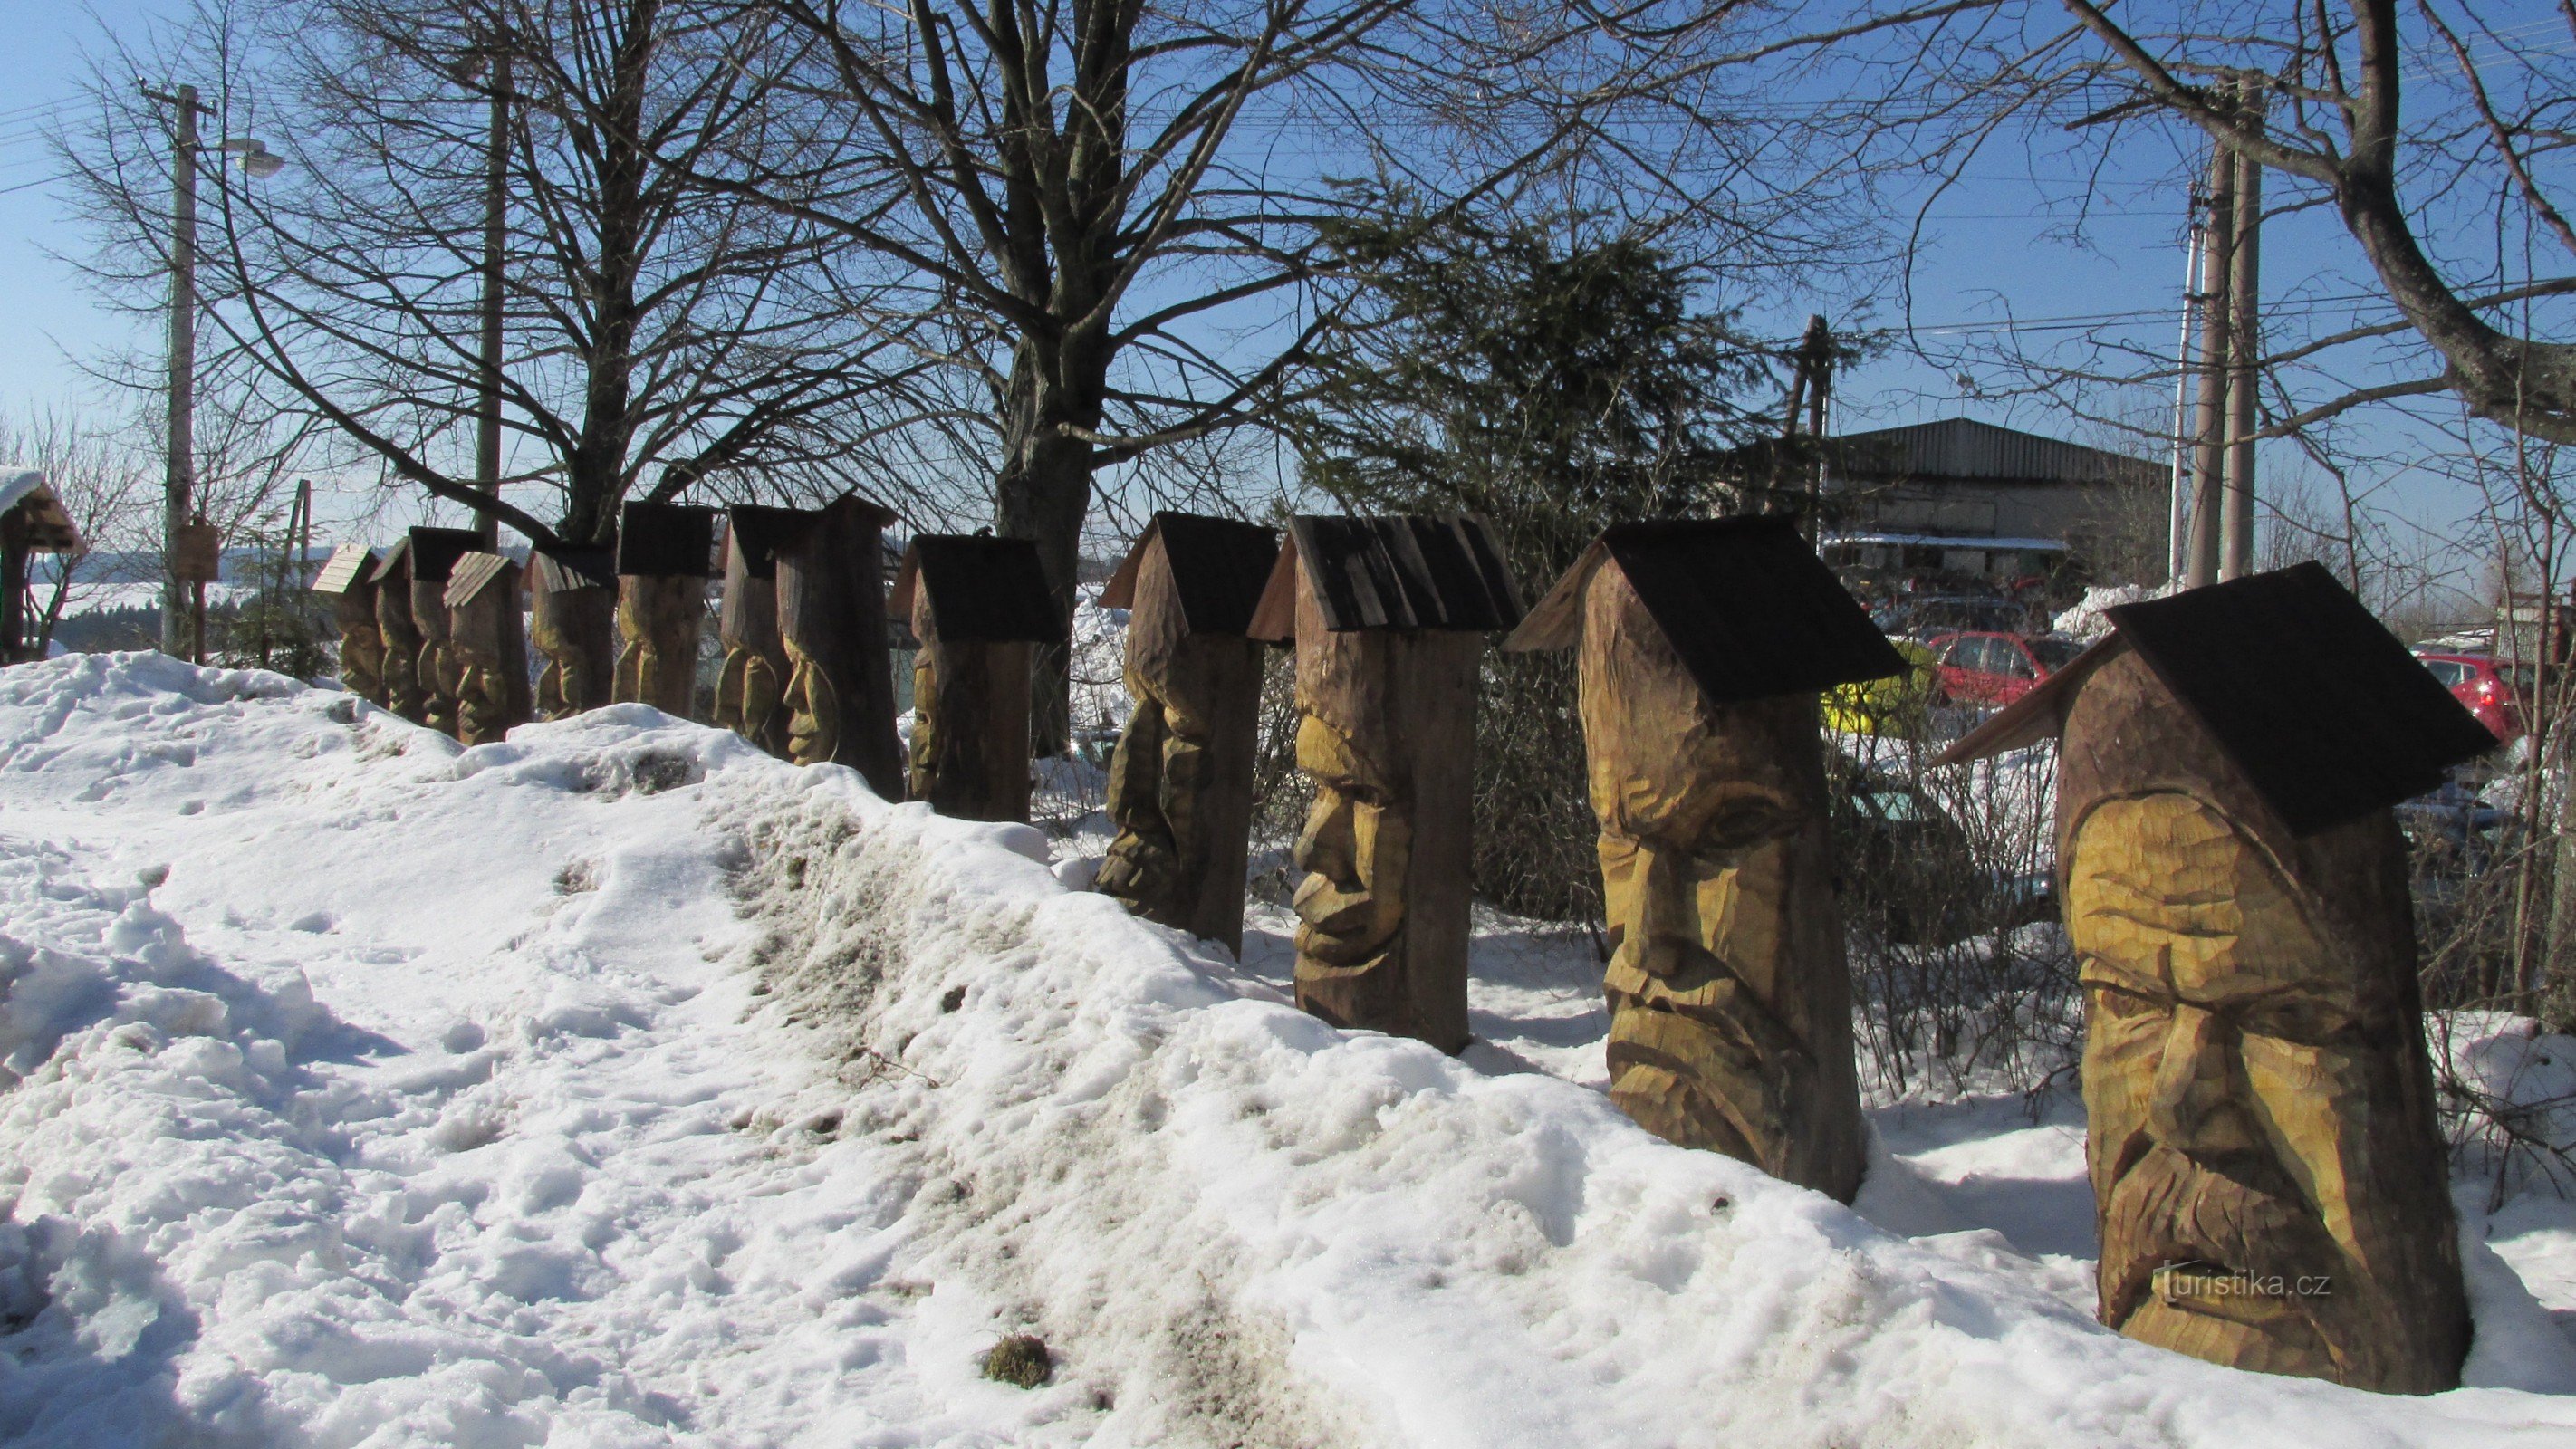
(1962, 479)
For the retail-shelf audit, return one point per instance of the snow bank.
(2089, 619)
(616, 1085)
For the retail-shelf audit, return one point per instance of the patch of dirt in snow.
(855, 949)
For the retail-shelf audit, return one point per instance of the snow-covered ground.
(617, 1085)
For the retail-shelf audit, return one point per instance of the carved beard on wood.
(362, 645)
(437, 667)
(401, 642)
(1730, 1001)
(576, 631)
(657, 632)
(2265, 1165)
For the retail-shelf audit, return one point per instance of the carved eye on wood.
(814, 711)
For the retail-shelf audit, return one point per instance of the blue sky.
(1991, 252)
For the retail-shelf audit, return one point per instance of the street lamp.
(179, 476)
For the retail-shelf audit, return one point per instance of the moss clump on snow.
(1019, 1359)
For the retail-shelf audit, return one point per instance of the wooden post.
(977, 604)
(664, 553)
(1180, 783)
(1703, 646)
(400, 635)
(347, 580)
(1387, 615)
(572, 620)
(13, 587)
(490, 648)
(2268, 1173)
(751, 687)
(837, 700)
(434, 552)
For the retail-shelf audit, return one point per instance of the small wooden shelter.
(1703, 646)
(2234, 884)
(665, 555)
(838, 700)
(421, 560)
(1388, 617)
(572, 620)
(347, 579)
(32, 521)
(1180, 783)
(490, 647)
(977, 604)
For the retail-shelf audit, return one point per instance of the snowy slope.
(616, 1085)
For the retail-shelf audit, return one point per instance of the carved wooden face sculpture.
(813, 708)
(1729, 998)
(2228, 1059)
(1356, 847)
(2266, 1173)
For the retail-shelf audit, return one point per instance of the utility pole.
(2177, 508)
(487, 408)
(2245, 342)
(2217, 275)
(179, 482)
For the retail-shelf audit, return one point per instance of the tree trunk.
(1043, 494)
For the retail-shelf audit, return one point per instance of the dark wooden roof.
(666, 540)
(1391, 573)
(473, 573)
(758, 532)
(563, 570)
(1748, 606)
(983, 590)
(42, 524)
(349, 565)
(1219, 566)
(434, 551)
(2325, 712)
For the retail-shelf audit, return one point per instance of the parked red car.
(2494, 692)
(1994, 669)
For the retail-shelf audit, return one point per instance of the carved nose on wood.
(1667, 927)
(2190, 1108)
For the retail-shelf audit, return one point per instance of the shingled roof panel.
(1407, 573)
(2325, 712)
(1748, 606)
(349, 565)
(983, 590)
(666, 540)
(560, 571)
(1218, 565)
(472, 574)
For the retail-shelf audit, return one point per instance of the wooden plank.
(838, 699)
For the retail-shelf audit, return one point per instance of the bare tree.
(655, 332)
(108, 481)
(1116, 208)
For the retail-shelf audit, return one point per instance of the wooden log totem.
(665, 553)
(1180, 782)
(1703, 646)
(751, 687)
(346, 580)
(490, 648)
(572, 620)
(2268, 1176)
(434, 552)
(400, 635)
(977, 604)
(32, 521)
(837, 704)
(1388, 616)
